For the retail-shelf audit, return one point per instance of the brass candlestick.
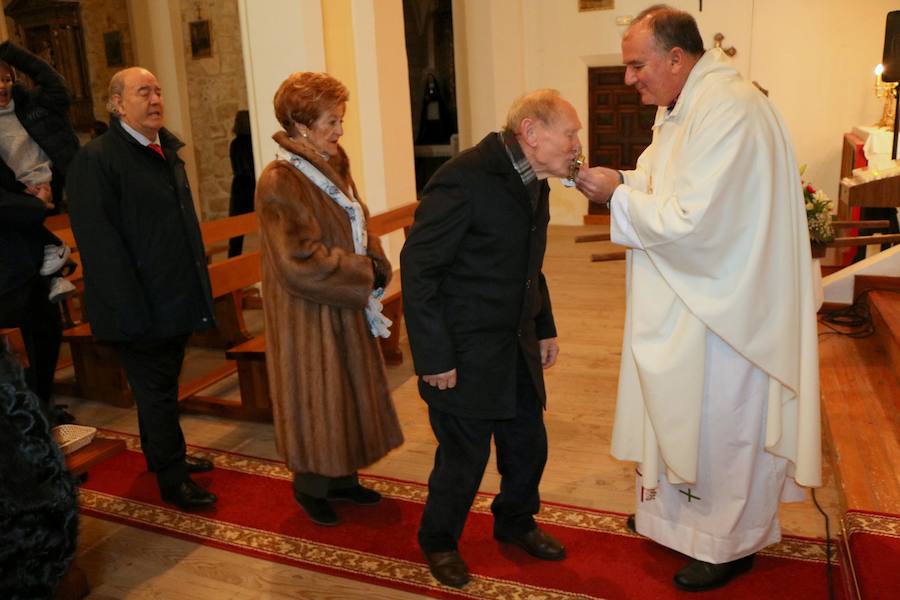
(888, 91)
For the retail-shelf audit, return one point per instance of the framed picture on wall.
(584, 5)
(201, 42)
(112, 46)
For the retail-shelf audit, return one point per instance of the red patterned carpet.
(257, 515)
(873, 540)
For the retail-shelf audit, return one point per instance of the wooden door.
(619, 126)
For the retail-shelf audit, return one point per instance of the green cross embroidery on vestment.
(689, 495)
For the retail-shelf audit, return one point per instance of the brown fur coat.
(331, 402)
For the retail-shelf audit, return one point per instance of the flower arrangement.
(818, 212)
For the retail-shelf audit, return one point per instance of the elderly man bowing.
(481, 327)
(718, 395)
(145, 278)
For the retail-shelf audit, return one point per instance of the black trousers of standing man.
(464, 447)
(152, 368)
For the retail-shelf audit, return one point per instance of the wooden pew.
(228, 279)
(98, 373)
(396, 219)
(11, 338)
(217, 233)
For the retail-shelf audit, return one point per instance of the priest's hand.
(597, 183)
(549, 352)
(442, 381)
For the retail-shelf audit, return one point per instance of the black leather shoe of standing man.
(189, 496)
(448, 568)
(539, 544)
(699, 576)
(195, 464)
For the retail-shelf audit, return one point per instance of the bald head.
(135, 97)
(546, 127)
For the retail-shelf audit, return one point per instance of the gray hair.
(541, 105)
(116, 88)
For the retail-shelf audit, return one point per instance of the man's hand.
(597, 183)
(43, 193)
(442, 381)
(549, 352)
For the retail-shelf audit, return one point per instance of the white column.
(157, 37)
(384, 110)
(278, 37)
(490, 66)
(365, 47)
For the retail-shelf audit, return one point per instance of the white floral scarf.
(378, 323)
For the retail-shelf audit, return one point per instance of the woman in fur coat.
(322, 277)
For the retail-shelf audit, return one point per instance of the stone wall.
(99, 17)
(217, 92)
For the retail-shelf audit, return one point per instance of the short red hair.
(304, 96)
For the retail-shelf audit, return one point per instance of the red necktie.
(156, 148)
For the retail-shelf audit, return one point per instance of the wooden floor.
(588, 301)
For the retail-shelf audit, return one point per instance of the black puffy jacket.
(133, 216)
(43, 111)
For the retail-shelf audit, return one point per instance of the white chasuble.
(718, 277)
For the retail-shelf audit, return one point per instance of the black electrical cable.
(854, 321)
(828, 573)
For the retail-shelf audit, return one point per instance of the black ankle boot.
(699, 576)
(318, 509)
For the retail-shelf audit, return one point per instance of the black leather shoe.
(317, 509)
(629, 523)
(448, 568)
(356, 495)
(189, 496)
(699, 576)
(195, 464)
(539, 544)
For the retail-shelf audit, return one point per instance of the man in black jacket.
(37, 117)
(145, 278)
(481, 327)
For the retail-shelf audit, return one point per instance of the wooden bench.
(396, 219)
(230, 329)
(217, 233)
(98, 372)
(11, 338)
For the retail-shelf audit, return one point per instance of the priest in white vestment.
(718, 398)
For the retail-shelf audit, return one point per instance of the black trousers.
(152, 368)
(39, 320)
(464, 447)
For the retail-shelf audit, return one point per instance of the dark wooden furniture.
(52, 30)
(12, 338)
(619, 126)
